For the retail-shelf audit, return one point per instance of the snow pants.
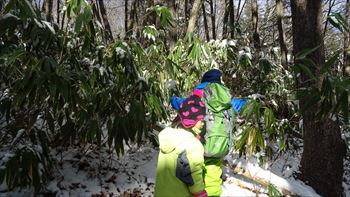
(212, 175)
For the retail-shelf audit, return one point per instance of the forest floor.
(92, 171)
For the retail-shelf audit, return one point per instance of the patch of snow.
(89, 170)
(120, 52)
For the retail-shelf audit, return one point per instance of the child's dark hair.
(176, 123)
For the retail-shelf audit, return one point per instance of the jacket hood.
(170, 139)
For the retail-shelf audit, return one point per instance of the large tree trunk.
(321, 163)
(284, 50)
(346, 67)
(255, 17)
(194, 16)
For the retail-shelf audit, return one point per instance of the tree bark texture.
(47, 8)
(225, 22)
(133, 18)
(96, 12)
(173, 32)
(232, 18)
(194, 16)
(205, 21)
(284, 50)
(213, 18)
(58, 11)
(126, 14)
(322, 162)
(2, 3)
(255, 17)
(106, 24)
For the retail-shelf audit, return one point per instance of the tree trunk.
(96, 12)
(239, 13)
(232, 18)
(238, 8)
(133, 18)
(225, 22)
(58, 11)
(346, 67)
(106, 24)
(151, 18)
(2, 3)
(63, 18)
(321, 163)
(173, 32)
(212, 14)
(205, 21)
(187, 14)
(47, 8)
(284, 50)
(194, 16)
(126, 14)
(253, 173)
(255, 17)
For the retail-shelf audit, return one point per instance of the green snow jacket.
(180, 164)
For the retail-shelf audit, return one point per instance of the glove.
(201, 194)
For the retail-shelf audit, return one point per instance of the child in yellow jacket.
(180, 160)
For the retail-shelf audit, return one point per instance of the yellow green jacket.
(180, 164)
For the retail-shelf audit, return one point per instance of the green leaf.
(252, 138)
(305, 52)
(243, 138)
(342, 104)
(273, 191)
(150, 32)
(252, 107)
(50, 121)
(330, 63)
(340, 18)
(334, 21)
(269, 119)
(306, 70)
(28, 8)
(345, 107)
(260, 139)
(8, 21)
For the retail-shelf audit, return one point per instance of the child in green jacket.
(180, 160)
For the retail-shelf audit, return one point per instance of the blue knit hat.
(212, 76)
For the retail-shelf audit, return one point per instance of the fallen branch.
(265, 177)
(257, 189)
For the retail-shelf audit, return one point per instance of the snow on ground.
(82, 171)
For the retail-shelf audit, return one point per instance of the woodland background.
(101, 72)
